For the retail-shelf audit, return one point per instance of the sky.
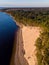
(24, 3)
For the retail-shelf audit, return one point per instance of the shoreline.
(21, 27)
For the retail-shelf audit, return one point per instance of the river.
(7, 32)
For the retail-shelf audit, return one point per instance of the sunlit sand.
(30, 34)
(25, 45)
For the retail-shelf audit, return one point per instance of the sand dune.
(30, 34)
(25, 46)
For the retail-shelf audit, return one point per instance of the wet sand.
(25, 49)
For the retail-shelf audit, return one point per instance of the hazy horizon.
(24, 3)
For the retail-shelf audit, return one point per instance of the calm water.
(7, 32)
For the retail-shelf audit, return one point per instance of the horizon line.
(24, 7)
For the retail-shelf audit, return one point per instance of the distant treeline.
(36, 18)
(31, 17)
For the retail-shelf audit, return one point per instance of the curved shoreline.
(18, 57)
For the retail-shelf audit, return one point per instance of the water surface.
(7, 31)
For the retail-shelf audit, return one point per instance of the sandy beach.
(25, 45)
(30, 34)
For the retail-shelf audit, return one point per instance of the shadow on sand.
(18, 50)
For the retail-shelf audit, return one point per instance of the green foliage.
(39, 43)
(36, 18)
(42, 45)
(39, 57)
(32, 17)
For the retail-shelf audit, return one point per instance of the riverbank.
(26, 52)
(42, 22)
(25, 48)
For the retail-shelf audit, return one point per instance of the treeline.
(36, 18)
(32, 17)
(42, 44)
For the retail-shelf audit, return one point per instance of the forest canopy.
(36, 18)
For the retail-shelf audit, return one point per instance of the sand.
(30, 34)
(24, 46)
